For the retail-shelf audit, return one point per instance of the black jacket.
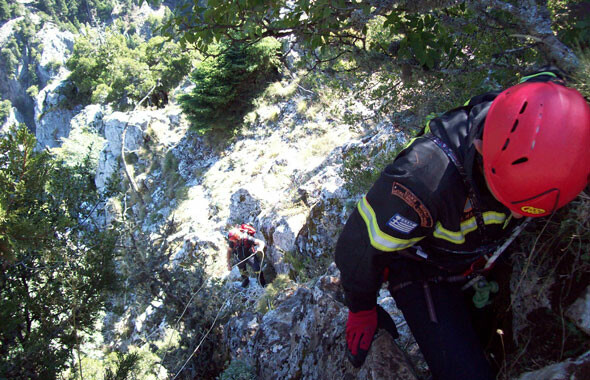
(421, 206)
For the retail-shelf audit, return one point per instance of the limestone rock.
(303, 338)
(576, 369)
(52, 122)
(13, 118)
(244, 207)
(56, 47)
(579, 312)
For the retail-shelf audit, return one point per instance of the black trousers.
(249, 257)
(451, 345)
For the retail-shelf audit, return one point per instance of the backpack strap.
(467, 182)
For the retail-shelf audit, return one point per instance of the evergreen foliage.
(119, 69)
(124, 368)
(77, 12)
(572, 21)
(238, 370)
(226, 84)
(5, 107)
(56, 267)
(5, 12)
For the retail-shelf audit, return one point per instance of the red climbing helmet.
(536, 147)
(248, 229)
(234, 234)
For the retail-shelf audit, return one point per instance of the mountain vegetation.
(57, 264)
(227, 83)
(116, 69)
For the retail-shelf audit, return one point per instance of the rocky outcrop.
(574, 369)
(579, 312)
(52, 120)
(15, 78)
(54, 47)
(13, 118)
(141, 127)
(303, 338)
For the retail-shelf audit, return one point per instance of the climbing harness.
(259, 272)
(473, 276)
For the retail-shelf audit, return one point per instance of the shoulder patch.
(401, 224)
(414, 202)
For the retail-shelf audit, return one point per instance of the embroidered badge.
(414, 202)
(401, 224)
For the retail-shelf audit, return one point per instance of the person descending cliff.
(244, 249)
(439, 214)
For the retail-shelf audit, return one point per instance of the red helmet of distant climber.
(234, 234)
(536, 147)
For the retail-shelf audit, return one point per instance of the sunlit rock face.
(303, 338)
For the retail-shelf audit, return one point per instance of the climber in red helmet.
(246, 249)
(438, 215)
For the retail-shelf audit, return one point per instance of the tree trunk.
(536, 24)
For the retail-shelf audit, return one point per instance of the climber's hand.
(360, 329)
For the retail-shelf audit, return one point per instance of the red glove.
(360, 330)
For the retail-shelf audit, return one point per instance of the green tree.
(76, 12)
(5, 107)
(122, 70)
(336, 27)
(226, 84)
(56, 267)
(5, 13)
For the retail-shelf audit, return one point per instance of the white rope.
(503, 247)
(228, 302)
(498, 252)
(178, 322)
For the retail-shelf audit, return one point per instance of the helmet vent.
(506, 144)
(521, 160)
(523, 107)
(514, 126)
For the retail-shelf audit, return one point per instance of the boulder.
(574, 369)
(579, 312)
(303, 338)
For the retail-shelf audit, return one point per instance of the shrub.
(238, 370)
(268, 301)
(121, 70)
(227, 83)
(360, 170)
(5, 107)
(33, 91)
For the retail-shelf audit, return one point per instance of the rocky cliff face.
(303, 338)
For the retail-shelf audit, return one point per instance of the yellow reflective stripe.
(455, 237)
(538, 74)
(492, 217)
(379, 239)
(426, 130)
(470, 225)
